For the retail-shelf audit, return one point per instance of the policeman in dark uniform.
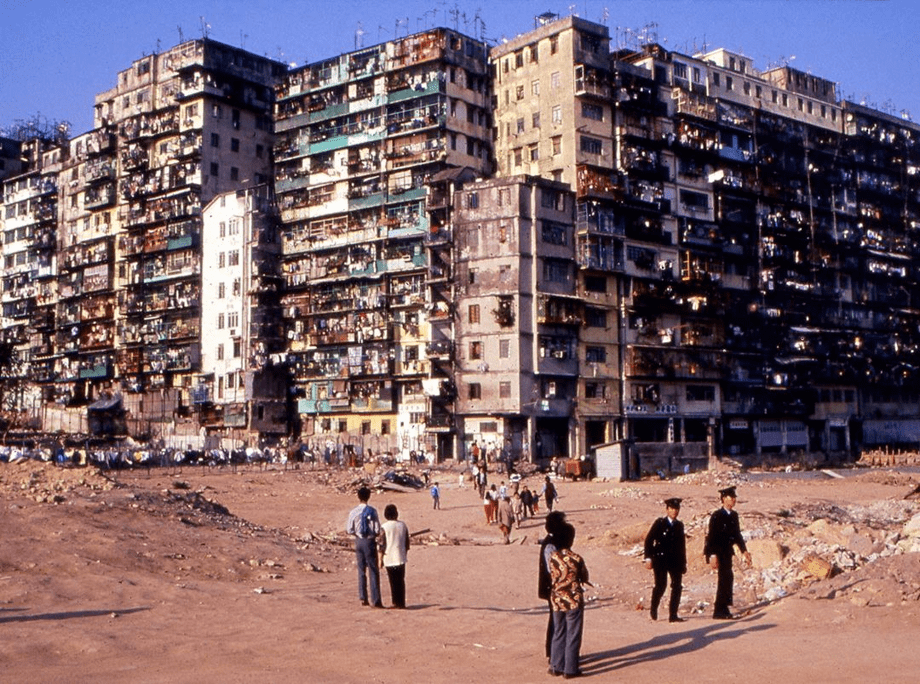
(666, 555)
(724, 534)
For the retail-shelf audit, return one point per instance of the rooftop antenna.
(359, 36)
(455, 15)
(205, 27)
(380, 28)
(243, 37)
(181, 37)
(605, 16)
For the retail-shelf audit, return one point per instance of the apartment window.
(555, 80)
(472, 200)
(555, 270)
(235, 118)
(237, 348)
(557, 114)
(143, 68)
(223, 227)
(715, 79)
(697, 75)
(591, 145)
(475, 390)
(680, 70)
(534, 53)
(234, 173)
(555, 233)
(215, 140)
(518, 156)
(216, 112)
(801, 104)
(595, 355)
(504, 389)
(234, 226)
(237, 289)
(595, 390)
(535, 120)
(595, 317)
(233, 258)
(365, 427)
(592, 111)
(553, 44)
(234, 144)
(535, 88)
(552, 199)
(595, 283)
(233, 319)
(534, 153)
(520, 125)
(519, 59)
(473, 313)
(221, 290)
(215, 169)
(475, 350)
(519, 92)
(220, 321)
(694, 200)
(729, 83)
(758, 91)
(220, 352)
(384, 427)
(221, 259)
(774, 96)
(701, 393)
(785, 100)
(504, 349)
(557, 145)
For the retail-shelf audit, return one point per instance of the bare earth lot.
(216, 576)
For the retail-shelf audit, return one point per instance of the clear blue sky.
(55, 55)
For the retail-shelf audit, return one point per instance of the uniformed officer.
(666, 555)
(719, 549)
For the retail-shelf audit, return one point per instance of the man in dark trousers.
(719, 549)
(666, 555)
(364, 525)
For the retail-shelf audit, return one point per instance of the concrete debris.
(808, 546)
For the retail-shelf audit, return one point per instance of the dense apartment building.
(544, 247)
(758, 235)
(241, 393)
(359, 137)
(518, 316)
(30, 261)
(112, 289)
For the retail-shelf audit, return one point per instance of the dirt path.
(153, 581)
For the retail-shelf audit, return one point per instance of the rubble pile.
(47, 483)
(796, 549)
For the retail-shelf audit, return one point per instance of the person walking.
(549, 493)
(505, 517)
(719, 549)
(569, 575)
(364, 525)
(666, 556)
(395, 554)
(435, 497)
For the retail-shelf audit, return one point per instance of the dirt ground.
(221, 576)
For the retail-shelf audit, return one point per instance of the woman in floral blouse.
(569, 575)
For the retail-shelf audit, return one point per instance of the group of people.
(666, 554)
(562, 574)
(364, 525)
